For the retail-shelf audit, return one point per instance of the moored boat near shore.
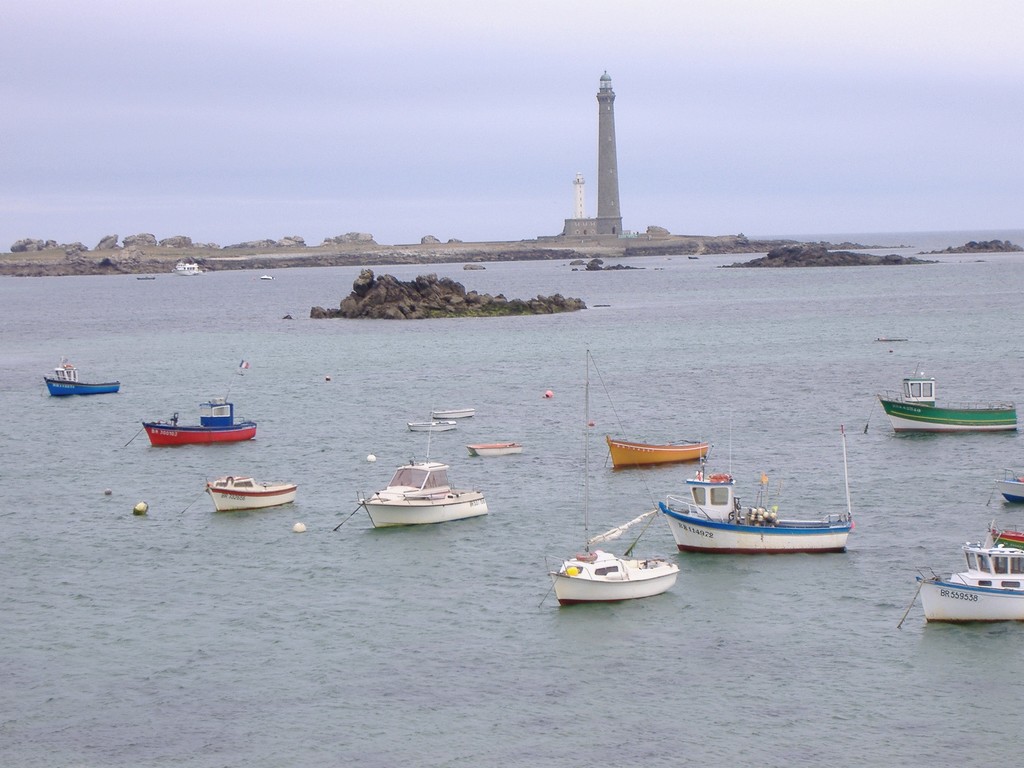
(419, 493)
(236, 493)
(914, 410)
(494, 449)
(216, 425)
(432, 426)
(1011, 486)
(453, 413)
(991, 589)
(65, 382)
(631, 454)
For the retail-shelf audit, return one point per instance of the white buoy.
(141, 508)
(371, 458)
(107, 491)
(299, 528)
(327, 378)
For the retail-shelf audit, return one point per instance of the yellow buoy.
(141, 508)
(572, 570)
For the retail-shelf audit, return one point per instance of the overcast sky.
(230, 121)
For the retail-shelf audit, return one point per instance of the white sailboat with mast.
(596, 576)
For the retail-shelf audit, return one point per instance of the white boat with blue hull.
(991, 589)
(1012, 486)
(708, 517)
(65, 382)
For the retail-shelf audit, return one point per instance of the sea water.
(194, 638)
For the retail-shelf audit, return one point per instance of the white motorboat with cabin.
(991, 589)
(419, 493)
(187, 268)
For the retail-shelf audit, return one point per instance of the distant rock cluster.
(145, 239)
(388, 298)
(985, 246)
(817, 255)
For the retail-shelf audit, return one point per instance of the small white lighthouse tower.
(579, 209)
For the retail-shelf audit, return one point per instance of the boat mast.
(586, 456)
(846, 473)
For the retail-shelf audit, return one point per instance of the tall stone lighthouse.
(609, 216)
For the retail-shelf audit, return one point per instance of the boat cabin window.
(983, 564)
(410, 477)
(1017, 565)
(604, 571)
(1000, 564)
(699, 495)
(1010, 584)
(972, 562)
(719, 496)
(984, 583)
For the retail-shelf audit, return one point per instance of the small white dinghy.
(494, 449)
(454, 413)
(432, 426)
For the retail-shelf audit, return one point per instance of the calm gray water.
(189, 638)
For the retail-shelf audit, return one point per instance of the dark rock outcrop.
(817, 255)
(141, 239)
(597, 265)
(177, 241)
(388, 298)
(985, 246)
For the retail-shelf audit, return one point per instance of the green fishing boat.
(914, 410)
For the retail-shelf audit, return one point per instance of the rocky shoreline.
(144, 254)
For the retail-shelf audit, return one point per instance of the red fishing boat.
(216, 425)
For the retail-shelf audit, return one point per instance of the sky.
(231, 121)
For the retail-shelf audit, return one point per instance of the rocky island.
(388, 298)
(817, 255)
(985, 246)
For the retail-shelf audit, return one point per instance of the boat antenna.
(846, 473)
(429, 430)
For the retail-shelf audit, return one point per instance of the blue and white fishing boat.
(65, 382)
(991, 589)
(1012, 486)
(708, 517)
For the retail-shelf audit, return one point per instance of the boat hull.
(694, 533)
(59, 388)
(1012, 490)
(627, 454)
(385, 513)
(230, 500)
(947, 601)
(573, 590)
(494, 449)
(918, 417)
(163, 433)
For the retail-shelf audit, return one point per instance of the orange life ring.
(721, 477)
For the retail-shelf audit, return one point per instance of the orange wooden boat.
(627, 454)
